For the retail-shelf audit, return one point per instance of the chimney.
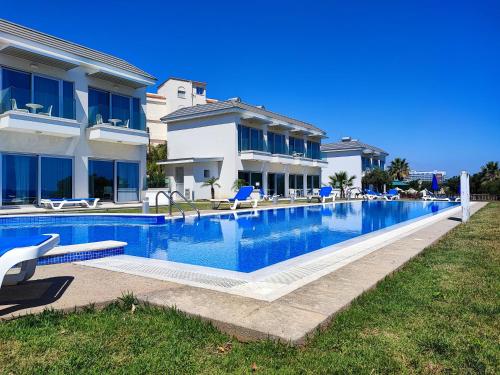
(346, 139)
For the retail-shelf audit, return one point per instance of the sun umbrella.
(435, 185)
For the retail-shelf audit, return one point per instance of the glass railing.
(99, 119)
(18, 99)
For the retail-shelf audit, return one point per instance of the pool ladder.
(172, 202)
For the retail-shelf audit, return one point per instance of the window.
(68, 100)
(19, 179)
(251, 178)
(127, 175)
(98, 106)
(57, 178)
(120, 108)
(15, 85)
(250, 139)
(46, 93)
(101, 179)
(312, 182)
(206, 173)
(181, 92)
(313, 150)
(276, 143)
(365, 164)
(200, 90)
(296, 146)
(56, 96)
(104, 106)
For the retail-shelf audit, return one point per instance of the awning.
(38, 57)
(189, 160)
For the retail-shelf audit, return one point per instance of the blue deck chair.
(324, 193)
(242, 196)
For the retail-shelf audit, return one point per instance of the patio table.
(115, 121)
(33, 107)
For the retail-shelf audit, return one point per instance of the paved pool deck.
(290, 318)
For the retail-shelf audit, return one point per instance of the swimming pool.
(241, 241)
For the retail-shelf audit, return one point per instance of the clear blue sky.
(420, 78)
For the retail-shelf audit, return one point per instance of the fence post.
(465, 196)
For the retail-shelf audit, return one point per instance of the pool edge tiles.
(85, 218)
(278, 280)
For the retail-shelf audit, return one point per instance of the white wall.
(169, 90)
(156, 108)
(79, 148)
(349, 161)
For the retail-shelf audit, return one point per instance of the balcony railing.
(18, 99)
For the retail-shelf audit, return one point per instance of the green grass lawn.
(439, 314)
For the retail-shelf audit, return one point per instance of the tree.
(377, 177)
(399, 169)
(156, 175)
(452, 184)
(342, 181)
(489, 172)
(212, 182)
(238, 183)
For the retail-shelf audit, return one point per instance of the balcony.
(26, 122)
(107, 132)
(281, 158)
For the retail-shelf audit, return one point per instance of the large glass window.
(251, 178)
(16, 86)
(313, 150)
(120, 109)
(68, 102)
(104, 106)
(128, 181)
(57, 178)
(19, 179)
(276, 143)
(250, 139)
(312, 182)
(46, 93)
(137, 115)
(98, 106)
(101, 178)
(17, 91)
(296, 146)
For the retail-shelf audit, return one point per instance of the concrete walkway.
(290, 318)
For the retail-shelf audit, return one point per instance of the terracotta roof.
(155, 96)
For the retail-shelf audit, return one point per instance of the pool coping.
(274, 281)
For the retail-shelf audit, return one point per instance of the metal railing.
(172, 202)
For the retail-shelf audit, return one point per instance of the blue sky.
(420, 79)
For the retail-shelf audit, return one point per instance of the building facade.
(352, 156)
(172, 94)
(233, 140)
(72, 121)
(427, 176)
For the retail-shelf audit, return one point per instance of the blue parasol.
(435, 185)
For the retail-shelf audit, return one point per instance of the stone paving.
(290, 318)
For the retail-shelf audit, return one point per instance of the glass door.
(101, 179)
(271, 184)
(280, 184)
(19, 179)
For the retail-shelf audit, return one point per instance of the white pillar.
(465, 195)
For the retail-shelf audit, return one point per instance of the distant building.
(427, 176)
(352, 156)
(172, 94)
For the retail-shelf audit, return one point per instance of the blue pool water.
(245, 243)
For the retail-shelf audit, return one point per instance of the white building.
(72, 120)
(231, 140)
(427, 176)
(352, 156)
(172, 94)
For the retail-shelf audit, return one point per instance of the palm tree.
(212, 182)
(399, 169)
(342, 181)
(238, 183)
(155, 173)
(489, 172)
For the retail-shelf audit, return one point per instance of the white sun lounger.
(57, 204)
(23, 251)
